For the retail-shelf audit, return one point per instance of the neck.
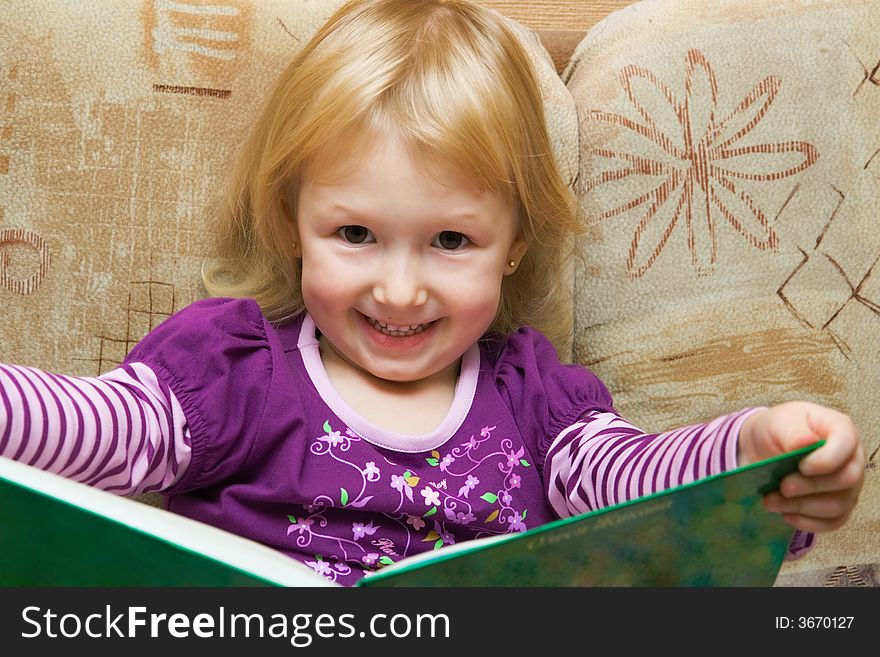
(407, 407)
(335, 363)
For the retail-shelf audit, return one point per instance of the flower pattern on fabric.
(431, 496)
(465, 460)
(428, 511)
(698, 167)
(415, 521)
(360, 530)
(469, 484)
(332, 570)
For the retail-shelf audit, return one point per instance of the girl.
(376, 375)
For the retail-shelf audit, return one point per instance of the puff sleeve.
(215, 357)
(544, 395)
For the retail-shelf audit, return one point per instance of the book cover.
(58, 532)
(712, 532)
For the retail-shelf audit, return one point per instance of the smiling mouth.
(396, 331)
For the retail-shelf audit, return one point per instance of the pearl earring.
(512, 263)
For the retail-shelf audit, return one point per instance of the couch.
(740, 271)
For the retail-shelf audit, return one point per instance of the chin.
(397, 376)
(402, 372)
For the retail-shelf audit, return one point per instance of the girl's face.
(402, 264)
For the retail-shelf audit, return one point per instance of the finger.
(850, 476)
(823, 505)
(841, 442)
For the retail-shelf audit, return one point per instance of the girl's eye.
(354, 234)
(449, 240)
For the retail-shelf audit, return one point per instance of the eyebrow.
(356, 212)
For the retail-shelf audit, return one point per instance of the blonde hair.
(453, 80)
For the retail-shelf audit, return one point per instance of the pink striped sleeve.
(604, 460)
(123, 431)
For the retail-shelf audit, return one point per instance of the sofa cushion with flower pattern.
(729, 173)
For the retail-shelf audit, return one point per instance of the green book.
(712, 532)
(58, 532)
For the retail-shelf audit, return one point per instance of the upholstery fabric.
(118, 120)
(729, 176)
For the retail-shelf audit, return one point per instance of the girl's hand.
(820, 496)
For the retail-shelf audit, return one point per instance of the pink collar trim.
(465, 390)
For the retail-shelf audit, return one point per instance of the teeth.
(392, 327)
(395, 330)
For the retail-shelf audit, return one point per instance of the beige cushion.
(118, 119)
(775, 292)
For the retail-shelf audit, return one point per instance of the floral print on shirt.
(378, 512)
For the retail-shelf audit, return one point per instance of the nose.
(399, 282)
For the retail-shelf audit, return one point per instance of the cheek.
(325, 285)
(476, 293)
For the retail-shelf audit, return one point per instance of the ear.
(287, 202)
(514, 255)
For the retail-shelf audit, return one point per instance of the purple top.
(277, 454)
(238, 422)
